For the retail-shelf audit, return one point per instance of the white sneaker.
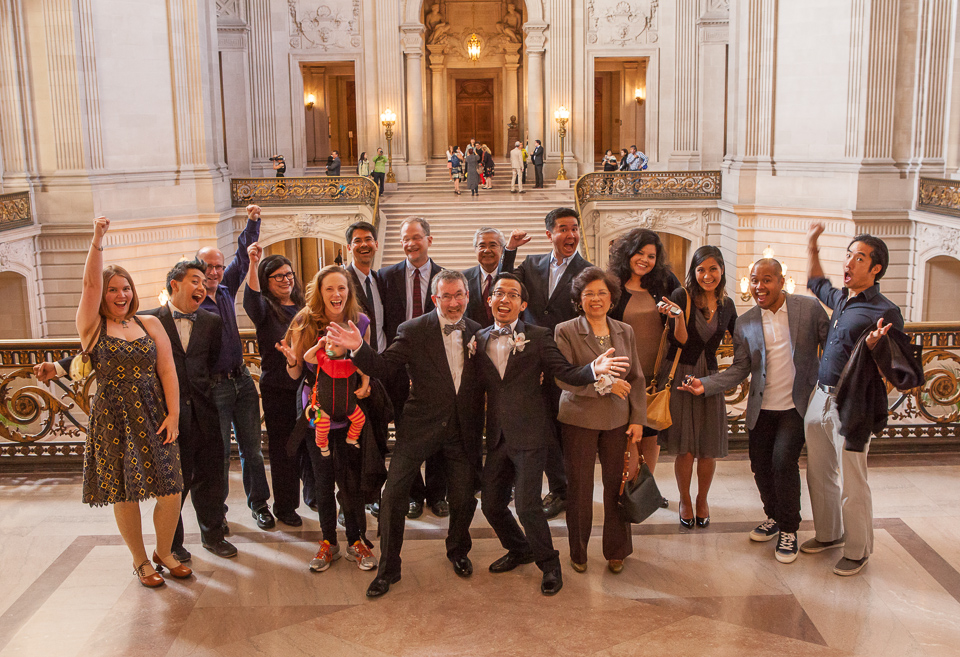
(765, 530)
(326, 555)
(360, 553)
(787, 548)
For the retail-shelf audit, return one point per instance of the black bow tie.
(500, 332)
(179, 315)
(459, 326)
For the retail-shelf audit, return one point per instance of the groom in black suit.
(195, 340)
(512, 358)
(442, 415)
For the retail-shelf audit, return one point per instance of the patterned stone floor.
(66, 586)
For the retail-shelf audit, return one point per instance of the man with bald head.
(775, 343)
(234, 392)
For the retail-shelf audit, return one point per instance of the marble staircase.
(454, 219)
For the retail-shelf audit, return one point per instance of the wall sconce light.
(473, 47)
(790, 285)
(311, 101)
(640, 95)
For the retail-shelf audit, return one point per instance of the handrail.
(33, 415)
(15, 210)
(939, 195)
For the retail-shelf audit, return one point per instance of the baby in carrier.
(334, 396)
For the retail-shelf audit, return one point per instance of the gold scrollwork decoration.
(15, 210)
(344, 190)
(648, 185)
(940, 196)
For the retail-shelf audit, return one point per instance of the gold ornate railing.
(15, 210)
(319, 190)
(50, 420)
(939, 195)
(648, 186)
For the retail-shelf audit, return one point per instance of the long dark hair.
(697, 294)
(627, 246)
(268, 266)
(312, 318)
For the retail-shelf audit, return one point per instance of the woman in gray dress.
(471, 161)
(699, 430)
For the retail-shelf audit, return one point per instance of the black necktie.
(486, 298)
(370, 309)
(417, 295)
(459, 326)
(179, 315)
(500, 332)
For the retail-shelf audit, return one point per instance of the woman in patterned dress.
(131, 452)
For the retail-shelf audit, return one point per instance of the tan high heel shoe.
(179, 571)
(151, 581)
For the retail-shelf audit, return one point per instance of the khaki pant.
(516, 177)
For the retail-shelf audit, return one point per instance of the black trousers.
(201, 460)
(538, 173)
(396, 496)
(378, 177)
(280, 416)
(775, 443)
(432, 486)
(554, 467)
(340, 470)
(523, 469)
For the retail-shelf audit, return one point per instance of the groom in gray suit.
(775, 342)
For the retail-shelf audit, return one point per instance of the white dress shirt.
(377, 305)
(424, 286)
(557, 267)
(778, 388)
(453, 344)
(499, 350)
(184, 326)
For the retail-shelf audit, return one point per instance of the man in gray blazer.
(776, 343)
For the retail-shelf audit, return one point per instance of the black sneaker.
(765, 530)
(787, 548)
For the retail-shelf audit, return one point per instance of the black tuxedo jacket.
(476, 307)
(544, 309)
(393, 292)
(518, 411)
(194, 367)
(366, 305)
(537, 155)
(434, 411)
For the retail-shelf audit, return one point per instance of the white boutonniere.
(604, 384)
(517, 342)
(472, 346)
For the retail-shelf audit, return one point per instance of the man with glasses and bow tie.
(195, 340)
(443, 414)
(512, 356)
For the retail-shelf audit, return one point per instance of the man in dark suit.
(404, 291)
(195, 338)
(537, 158)
(442, 415)
(548, 279)
(362, 245)
(488, 244)
(512, 357)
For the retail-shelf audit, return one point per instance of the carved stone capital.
(535, 38)
(411, 39)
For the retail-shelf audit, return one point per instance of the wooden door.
(475, 112)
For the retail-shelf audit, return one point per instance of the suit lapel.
(435, 346)
(755, 326)
(793, 320)
(166, 318)
(583, 327)
(399, 285)
(428, 304)
(514, 355)
(563, 283)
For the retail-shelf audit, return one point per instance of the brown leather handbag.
(639, 497)
(658, 401)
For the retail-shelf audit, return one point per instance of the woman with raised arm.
(131, 452)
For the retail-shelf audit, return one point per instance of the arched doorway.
(15, 318)
(308, 254)
(942, 273)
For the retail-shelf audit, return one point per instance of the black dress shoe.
(552, 582)
(415, 510)
(222, 548)
(314, 507)
(374, 509)
(440, 509)
(181, 554)
(553, 505)
(509, 561)
(686, 522)
(290, 518)
(664, 504)
(264, 518)
(703, 522)
(463, 567)
(381, 585)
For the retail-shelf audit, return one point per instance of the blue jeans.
(239, 406)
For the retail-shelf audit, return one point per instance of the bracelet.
(289, 365)
(98, 248)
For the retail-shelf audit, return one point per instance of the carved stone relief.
(499, 27)
(16, 253)
(306, 224)
(622, 23)
(656, 219)
(942, 238)
(324, 24)
(231, 12)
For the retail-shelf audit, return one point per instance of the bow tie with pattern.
(459, 326)
(179, 315)
(500, 333)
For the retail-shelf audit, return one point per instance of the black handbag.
(639, 497)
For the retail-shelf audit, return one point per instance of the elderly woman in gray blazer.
(599, 418)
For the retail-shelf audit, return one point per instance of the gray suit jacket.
(582, 406)
(808, 331)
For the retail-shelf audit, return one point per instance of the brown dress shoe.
(615, 565)
(151, 581)
(179, 571)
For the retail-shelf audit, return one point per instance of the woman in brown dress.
(131, 452)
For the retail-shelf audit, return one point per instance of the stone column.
(630, 111)
(534, 43)
(412, 42)
(439, 105)
(14, 144)
(511, 83)
(262, 92)
(686, 145)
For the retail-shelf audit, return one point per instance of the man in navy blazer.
(488, 243)
(775, 343)
(548, 279)
(405, 290)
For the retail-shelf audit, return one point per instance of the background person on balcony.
(272, 297)
(636, 160)
(131, 453)
(279, 165)
(637, 260)
(333, 164)
(699, 429)
(363, 165)
(609, 161)
(488, 167)
(330, 297)
(379, 169)
(234, 392)
(536, 157)
(624, 163)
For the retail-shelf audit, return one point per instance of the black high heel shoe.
(702, 522)
(687, 522)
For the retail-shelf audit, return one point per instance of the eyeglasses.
(283, 277)
(500, 294)
(459, 296)
(602, 294)
(215, 267)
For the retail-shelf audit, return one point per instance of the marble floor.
(66, 586)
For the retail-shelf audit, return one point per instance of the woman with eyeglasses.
(598, 419)
(272, 297)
